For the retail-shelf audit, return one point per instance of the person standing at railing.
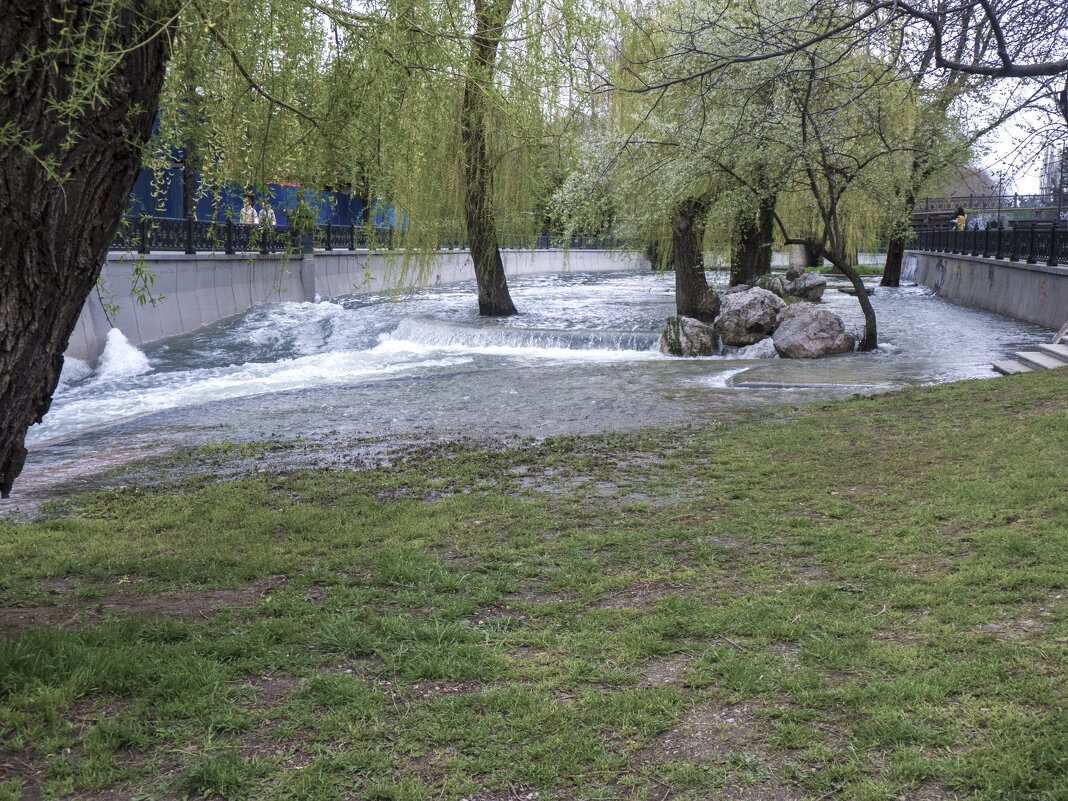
(267, 217)
(248, 213)
(958, 223)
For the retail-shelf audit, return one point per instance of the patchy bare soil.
(188, 604)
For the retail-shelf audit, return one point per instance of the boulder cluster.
(759, 314)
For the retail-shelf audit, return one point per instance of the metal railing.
(1033, 243)
(1005, 203)
(186, 235)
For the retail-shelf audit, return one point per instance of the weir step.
(1037, 360)
(1010, 367)
(1056, 351)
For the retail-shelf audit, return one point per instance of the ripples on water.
(581, 356)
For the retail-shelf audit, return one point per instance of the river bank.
(859, 599)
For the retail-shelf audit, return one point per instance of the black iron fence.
(1034, 243)
(168, 234)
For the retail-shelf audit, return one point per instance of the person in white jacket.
(267, 215)
(248, 213)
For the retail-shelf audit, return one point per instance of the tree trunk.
(752, 256)
(895, 248)
(868, 341)
(693, 297)
(54, 233)
(895, 253)
(493, 297)
(812, 257)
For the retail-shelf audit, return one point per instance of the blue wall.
(161, 196)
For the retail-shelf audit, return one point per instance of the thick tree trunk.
(752, 255)
(895, 254)
(895, 248)
(693, 297)
(54, 234)
(493, 297)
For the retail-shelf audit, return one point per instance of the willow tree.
(493, 296)
(81, 81)
(321, 94)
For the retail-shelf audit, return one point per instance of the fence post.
(143, 248)
(1031, 256)
(1052, 260)
(230, 237)
(352, 237)
(189, 248)
(328, 243)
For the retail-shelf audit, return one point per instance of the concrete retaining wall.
(198, 290)
(1037, 293)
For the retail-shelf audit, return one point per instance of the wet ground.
(345, 381)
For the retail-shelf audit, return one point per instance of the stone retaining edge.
(201, 289)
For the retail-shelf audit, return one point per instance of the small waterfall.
(436, 334)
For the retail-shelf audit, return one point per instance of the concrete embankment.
(1037, 293)
(194, 291)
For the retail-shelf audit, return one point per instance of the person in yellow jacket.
(958, 223)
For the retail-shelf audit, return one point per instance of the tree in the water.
(693, 296)
(81, 86)
(493, 297)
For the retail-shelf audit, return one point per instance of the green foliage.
(779, 604)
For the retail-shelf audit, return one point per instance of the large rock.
(685, 336)
(807, 286)
(808, 332)
(772, 283)
(748, 317)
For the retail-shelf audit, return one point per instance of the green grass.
(861, 269)
(859, 600)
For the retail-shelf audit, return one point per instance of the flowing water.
(581, 357)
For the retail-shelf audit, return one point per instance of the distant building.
(1054, 170)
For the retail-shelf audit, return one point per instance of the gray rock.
(807, 286)
(748, 317)
(808, 332)
(772, 283)
(734, 290)
(764, 349)
(685, 336)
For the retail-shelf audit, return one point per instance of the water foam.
(416, 335)
(74, 369)
(120, 359)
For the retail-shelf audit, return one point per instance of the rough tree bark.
(493, 297)
(868, 340)
(752, 256)
(693, 296)
(54, 234)
(895, 254)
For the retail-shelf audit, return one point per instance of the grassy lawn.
(858, 600)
